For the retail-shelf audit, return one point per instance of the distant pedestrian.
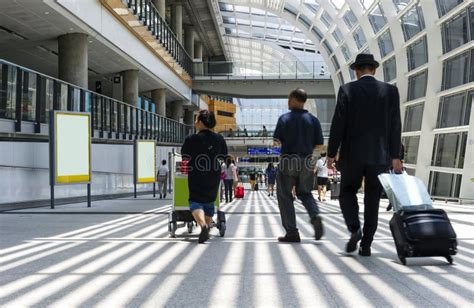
(299, 133)
(235, 175)
(229, 179)
(322, 177)
(271, 173)
(203, 151)
(253, 179)
(367, 128)
(163, 173)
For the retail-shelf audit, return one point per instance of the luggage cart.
(180, 212)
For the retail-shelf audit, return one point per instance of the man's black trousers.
(351, 180)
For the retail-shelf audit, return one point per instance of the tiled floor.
(118, 253)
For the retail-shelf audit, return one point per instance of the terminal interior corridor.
(118, 253)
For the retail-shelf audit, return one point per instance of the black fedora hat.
(364, 58)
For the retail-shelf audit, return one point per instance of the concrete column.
(177, 20)
(130, 87)
(159, 97)
(176, 110)
(73, 59)
(188, 117)
(161, 7)
(189, 40)
(198, 51)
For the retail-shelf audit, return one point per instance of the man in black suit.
(366, 131)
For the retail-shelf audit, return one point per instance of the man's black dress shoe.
(355, 238)
(364, 252)
(318, 227)
(290, 238)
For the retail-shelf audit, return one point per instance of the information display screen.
(72, 144)
(146, 161)
(263, 151)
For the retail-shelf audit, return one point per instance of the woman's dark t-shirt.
(203, 151)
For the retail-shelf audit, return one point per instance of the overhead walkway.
(118, 253)
(261, 79)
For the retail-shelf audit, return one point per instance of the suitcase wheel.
(449, 259)
(190, 226)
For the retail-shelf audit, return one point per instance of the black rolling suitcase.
(417, 228)
(426, 233)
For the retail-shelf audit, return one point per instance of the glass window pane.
(359, 37)
(413, 118)
(411, 148)
(462, 150)
(455, 32)
(49, 98)
(326, 19)
(290, 9)
(345, 51)
(454, 110)
(317, 32)
(350, 19)
(335, 63)
(385, 43)
(412, 22)
(456, 70)
(10, 112)
(446, 149)
(312, 5)
(341, 79)
(417, 85)
(377, 19)
(328, 47)
(401, 4)
(63, 97)
(444, 6)
(352, 74)
(305, 20)
(441, 184)
(390, 69)
(337, 35)
(417, 54)
(28, 106)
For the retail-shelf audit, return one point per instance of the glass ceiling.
(251, 23)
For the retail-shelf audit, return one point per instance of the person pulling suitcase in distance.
(366, 127)
(299, 133)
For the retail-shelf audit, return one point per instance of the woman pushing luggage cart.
(196, 179)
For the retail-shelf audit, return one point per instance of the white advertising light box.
(72, 144)
(145, 162)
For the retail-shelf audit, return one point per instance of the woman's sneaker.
(204, 235)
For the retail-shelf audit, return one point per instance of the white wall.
(24, 171)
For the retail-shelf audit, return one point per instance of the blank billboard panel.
(146, 161)
(72, 148)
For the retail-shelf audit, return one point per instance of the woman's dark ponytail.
(207, 118)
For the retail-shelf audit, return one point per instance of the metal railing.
(261, 70)
(259, 131)
(146, 12)
(28, 96)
